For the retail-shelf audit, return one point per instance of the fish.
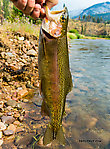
(54, 72)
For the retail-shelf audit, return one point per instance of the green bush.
(73, 31)
(71, 36)
(78, 36)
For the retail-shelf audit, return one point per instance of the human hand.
(34, 7)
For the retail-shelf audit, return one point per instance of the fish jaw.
(53, 22)
(52, 28)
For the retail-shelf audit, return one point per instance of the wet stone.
(11, 103)
(7, 119)
(22, 142)
(8, 132)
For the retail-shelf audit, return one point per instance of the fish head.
(55, 23)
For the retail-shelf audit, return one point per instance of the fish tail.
(50, 135)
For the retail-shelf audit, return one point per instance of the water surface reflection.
(88, 125)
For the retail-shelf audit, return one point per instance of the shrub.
(72, 36)
(73, 31)
(78, 36)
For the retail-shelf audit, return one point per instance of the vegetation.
(95, 18)
(73, 31)
(24, 28)
(12, 14)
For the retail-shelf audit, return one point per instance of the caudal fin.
(49, 136)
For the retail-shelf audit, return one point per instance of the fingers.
(20, 4)
(36, 11)
(29, 7)
(34, 7)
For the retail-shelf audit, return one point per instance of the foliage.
(0, 7)
(78, 36)
(98, 20)
(72, 36)
(73, 31)
(18, 16)
(6, 8)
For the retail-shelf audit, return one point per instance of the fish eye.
(63, 18)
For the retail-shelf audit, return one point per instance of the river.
(89, 100)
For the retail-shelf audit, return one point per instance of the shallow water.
(89, 100)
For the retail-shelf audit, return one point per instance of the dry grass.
(21, 27)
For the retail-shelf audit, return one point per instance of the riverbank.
(18, 80)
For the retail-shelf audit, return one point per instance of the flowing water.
(89, 101)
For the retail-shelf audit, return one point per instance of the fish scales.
(56, 81)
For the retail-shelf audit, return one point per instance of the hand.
(34, 7)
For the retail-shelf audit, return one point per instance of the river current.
(89, 100)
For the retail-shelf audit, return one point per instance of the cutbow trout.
(54, 71)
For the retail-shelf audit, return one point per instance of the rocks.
(12, 127)
(32, 53)
(2, 126)
(11, 103)
(7, 119)
(16, 115)
(18, 75)
(22, 93)
(8, 132)
(21, 118)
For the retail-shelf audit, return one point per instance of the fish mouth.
(51, 23)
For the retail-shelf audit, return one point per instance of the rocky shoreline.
(18, 78)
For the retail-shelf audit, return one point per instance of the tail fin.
(49, 136)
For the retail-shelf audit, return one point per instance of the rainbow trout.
(54, 71)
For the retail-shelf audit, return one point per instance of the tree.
(84, 16)
(82, 30)
(101, 20)
(0, 7)
(79, 18)
(98, 20)
(94, 20)
(5, 8)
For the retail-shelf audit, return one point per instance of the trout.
(54, 71)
